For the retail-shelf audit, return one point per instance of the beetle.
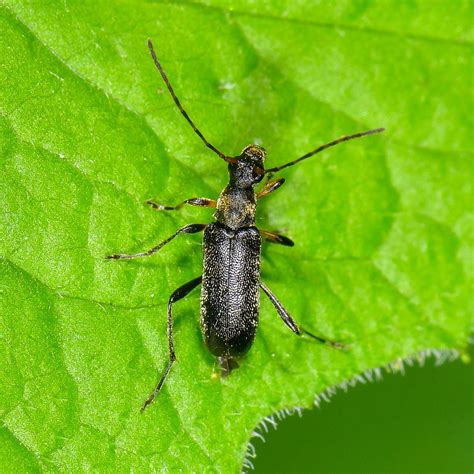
(230, 282)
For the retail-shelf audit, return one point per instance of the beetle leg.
(270, 186)
(288, 320)
(202, 202)
(187, 229)
(178, 294)
(227, 365)
(276, 238)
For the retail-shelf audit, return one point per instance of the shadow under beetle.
(230, 293)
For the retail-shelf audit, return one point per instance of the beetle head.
(247, 169)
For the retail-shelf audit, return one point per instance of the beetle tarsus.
(327, 342)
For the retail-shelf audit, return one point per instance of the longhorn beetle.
(230, 283)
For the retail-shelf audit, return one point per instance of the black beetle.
(231, 283)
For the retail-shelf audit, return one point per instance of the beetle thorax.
(236, 207)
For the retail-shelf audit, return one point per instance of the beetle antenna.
(323, 147)
(178, 103)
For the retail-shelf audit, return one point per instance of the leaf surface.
(382, 225)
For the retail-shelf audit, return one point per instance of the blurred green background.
(418, 422)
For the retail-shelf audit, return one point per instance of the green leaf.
(382, 225)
